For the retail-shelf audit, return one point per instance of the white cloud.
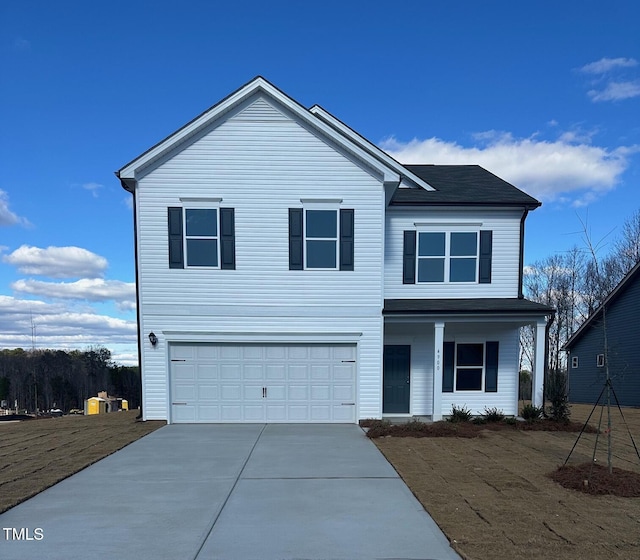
(548, 170)
(91, 289)
(93, 188)
(7, 217)
(608, 82)
(58, 327)
(605, 65)
(615, 91)
(57, 262)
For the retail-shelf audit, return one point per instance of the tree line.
(63, 379)
(576, 282)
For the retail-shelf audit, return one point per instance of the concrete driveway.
(216, 491)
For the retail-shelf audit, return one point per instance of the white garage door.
(263, 383)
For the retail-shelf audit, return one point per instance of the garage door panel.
(320, 372)
(231, 392)
(320, 393)
(276, 372)
(253, 392)
(276, 392)
(207, 372)
(230, 371)
(343, 393)
(253, 372)
(208, 413)
(262, 383)
(208, 392)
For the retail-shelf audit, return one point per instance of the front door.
(396, 375)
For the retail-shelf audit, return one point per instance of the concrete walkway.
(216, 491)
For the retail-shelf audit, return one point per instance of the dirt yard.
(490, 495)
(35, 454)
(493, 500)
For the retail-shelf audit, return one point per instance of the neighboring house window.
(443, 257)
(201, 237)
(574, 362)
(321, 239)
(470, 367)
(600, 360)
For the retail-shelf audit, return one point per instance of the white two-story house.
(288, 270)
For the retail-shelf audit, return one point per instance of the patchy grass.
(36, 454)
(494, 499)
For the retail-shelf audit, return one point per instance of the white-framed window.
(447, 256)
(574, 362)
(469, 367)
(321, 247)
(600, 360)
(201, 236)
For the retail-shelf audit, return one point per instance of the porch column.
(537, 382)
(438, 342)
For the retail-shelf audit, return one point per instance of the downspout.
(521, 267)
(136, 271)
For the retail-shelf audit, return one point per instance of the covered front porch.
(459, 352)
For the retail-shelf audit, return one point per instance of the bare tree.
(627, 247)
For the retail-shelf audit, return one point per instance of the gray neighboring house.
(288, 270)
(587, 363)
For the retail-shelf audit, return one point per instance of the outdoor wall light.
(153, 339)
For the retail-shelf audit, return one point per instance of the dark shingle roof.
(632, 276)
(465, 306)
(462, 184)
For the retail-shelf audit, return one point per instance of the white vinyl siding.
(505, 225)
(261, 168)
(261, 162)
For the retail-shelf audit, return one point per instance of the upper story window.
(321, 236)
(321, 239)
(432, 255)
(201, 236)
(447, 256)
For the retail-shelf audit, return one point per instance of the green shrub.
(493, 414)
(531, 413)
(557, 396)
(459, 414)
(479, 420)
(510, 421)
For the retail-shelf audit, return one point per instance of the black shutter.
(346, 239)
(176, 257)
(448, 363)
(296, 239)
(486, 248)
(227, 239)
(491, 369)
(409, 258)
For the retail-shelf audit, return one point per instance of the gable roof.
(632, 276)
(376, 152)
(462, 184)
(389, 171)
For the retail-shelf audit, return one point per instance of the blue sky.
(544, 94)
